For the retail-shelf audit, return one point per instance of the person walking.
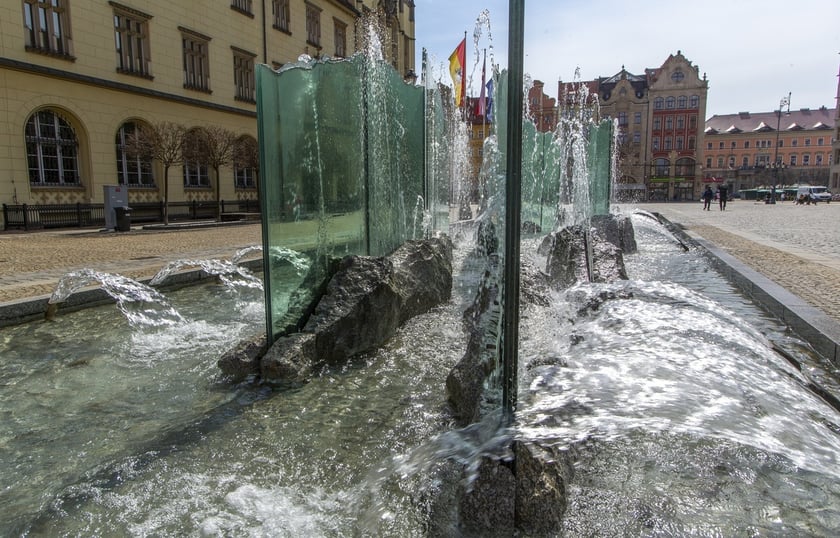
(722, 192)
(708, 196)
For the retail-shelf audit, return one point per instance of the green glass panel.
(599, 159)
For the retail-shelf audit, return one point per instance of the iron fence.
(40, 216)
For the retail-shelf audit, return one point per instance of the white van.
(814, 194)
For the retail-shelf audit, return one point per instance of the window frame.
(143, 168)
(313, 25)
(66, 150)
(138, 58)
(340, 38)
(46, 25)
(196, 60)
(281, 16)
(244, 79)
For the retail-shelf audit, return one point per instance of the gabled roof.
(797, 120)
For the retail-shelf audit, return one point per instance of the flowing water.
(679, 415)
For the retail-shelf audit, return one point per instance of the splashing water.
(241, 253)
(229, 273)
(140, 304)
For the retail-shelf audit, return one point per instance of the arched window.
(245, 162)
(195, 171)
(694, 101)
(682, 101)
(132, 170)
(658, 103)
(662, 167)
(51, 150)
(684, 167)
(670, 102)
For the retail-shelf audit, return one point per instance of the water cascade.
(654, 402)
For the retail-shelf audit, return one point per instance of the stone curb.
(34, 308)
(810, 323)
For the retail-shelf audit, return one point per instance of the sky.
(753, 52)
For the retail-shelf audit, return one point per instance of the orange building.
(750, 150)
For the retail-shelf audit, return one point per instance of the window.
(280, 11)
(131, 37)
(134, 171)
(692, 142)
(655, 143)
(243, 75)
(745, 162)
(47, 27)
(340, 38)
(242, 6)
(781, 143)
(692, 123)
(684, 167)
(820, 141)
(657, 124)
(680, 122)
(694, 101)
(51, 150)
(682, 101)
(807, 141)
(746, 144)
(806, 159)
(245, 155)
(732, 144)
(708, 162)
(708, 145)
(637, 137)
(667, 143)
(196, 60)
(720, 162)
(794, 142)
(657, 103)
(720, 145)
(637, 118)
(670, 102)
(663, 167)
(669, 123)
(313, 25)
(819, 159)
(678, 76)
(622, 118)
(793, 160)
(732, 161)
(679, 142)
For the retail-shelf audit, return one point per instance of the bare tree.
(246, 154)
(162, 141)
(212, 146)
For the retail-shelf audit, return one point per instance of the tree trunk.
(166, 195)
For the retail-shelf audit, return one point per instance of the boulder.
(542, 476)
(243, 360)
(362, 306)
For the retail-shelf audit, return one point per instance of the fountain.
(654, 402)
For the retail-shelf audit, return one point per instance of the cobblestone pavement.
(31, 263)
(798, 247)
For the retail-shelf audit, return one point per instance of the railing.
(39, 216)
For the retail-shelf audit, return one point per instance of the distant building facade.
(78, 77)
(751, 150)
(660, 121)
(834, 171)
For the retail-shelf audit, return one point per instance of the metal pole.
(510, 320)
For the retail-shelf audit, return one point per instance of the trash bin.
(123, 219)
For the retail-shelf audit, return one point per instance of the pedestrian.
(722, 192)
(708, 196)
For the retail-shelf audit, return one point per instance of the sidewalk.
(32, 263)
(797, 247)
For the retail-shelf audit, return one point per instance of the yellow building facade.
(78, 76)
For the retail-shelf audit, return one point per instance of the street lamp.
(776, 164)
